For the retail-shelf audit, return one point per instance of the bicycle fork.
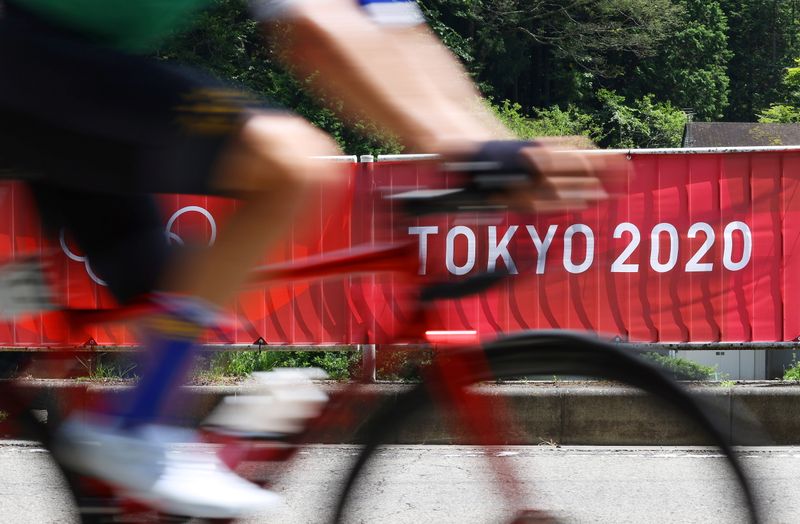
(476, 416)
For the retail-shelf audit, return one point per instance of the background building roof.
(740, 134)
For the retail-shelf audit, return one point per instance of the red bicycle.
(446, 385)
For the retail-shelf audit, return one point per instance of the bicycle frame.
(446, 379)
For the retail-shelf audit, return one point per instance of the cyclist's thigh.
(122, 235)
(82, 116)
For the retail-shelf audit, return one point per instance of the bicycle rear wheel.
(29, 423)
(548, 353)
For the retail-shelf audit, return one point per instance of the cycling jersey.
(141, 24)
(131, 25)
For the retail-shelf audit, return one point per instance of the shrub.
(402, 365)
(614, 122)
(793, 372)
(643, 123)
(339, 365)
(780, 114)
(681, 368)
(552, 121)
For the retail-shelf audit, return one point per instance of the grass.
(681, 368)
(107, 367)
(793, 371)
(393, 364)
(339, 365)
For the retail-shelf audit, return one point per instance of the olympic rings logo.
(77, 258)
(191, 209)
(171, 238)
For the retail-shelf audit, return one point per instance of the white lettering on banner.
(497, 250)
(588, 258)
(694, 265)
(619, 265)
(500, 248)
(423, 232)
(655, 247)
(747, 248)
(450, 253)
(541, 245)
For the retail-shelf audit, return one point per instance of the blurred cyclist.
(99, 128)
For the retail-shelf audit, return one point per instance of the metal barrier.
(701, 249)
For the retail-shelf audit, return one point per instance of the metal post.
(368, 363)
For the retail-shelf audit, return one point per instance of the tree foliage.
(763, 40)
(229, 45)
(644, 123)
(551, 121)
(788, 111)
(613, 123)
(543, 52)
(620, 72)
(690, 70)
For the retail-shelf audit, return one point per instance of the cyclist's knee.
(276, 152)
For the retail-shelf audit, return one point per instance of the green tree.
(612, 123)
(763, 40)
(228, 44)
(789, 110)
(562, 67)
(691, 68)
(642, 124)
(555, 52)
(552, 121)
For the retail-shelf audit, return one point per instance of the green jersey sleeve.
(130, 25)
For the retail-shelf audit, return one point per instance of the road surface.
(441, 484)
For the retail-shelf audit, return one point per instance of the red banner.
(703, 247)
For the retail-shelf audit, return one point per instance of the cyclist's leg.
(266, 166)
(121, 235)
(142, 126)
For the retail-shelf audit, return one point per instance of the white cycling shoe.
(144, 466)
(274, 403)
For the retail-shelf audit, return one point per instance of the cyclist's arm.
(385, 73)
(443, 68)
(409, 83)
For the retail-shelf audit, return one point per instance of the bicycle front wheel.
(554, 480)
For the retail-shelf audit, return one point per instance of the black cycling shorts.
(81, 116)
(96, 131)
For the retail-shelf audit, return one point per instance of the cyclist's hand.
(569, 175)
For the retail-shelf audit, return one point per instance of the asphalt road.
(421, 484)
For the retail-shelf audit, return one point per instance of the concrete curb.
(571, 414)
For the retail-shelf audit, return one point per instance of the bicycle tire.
(22, 424)
(546, 353)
